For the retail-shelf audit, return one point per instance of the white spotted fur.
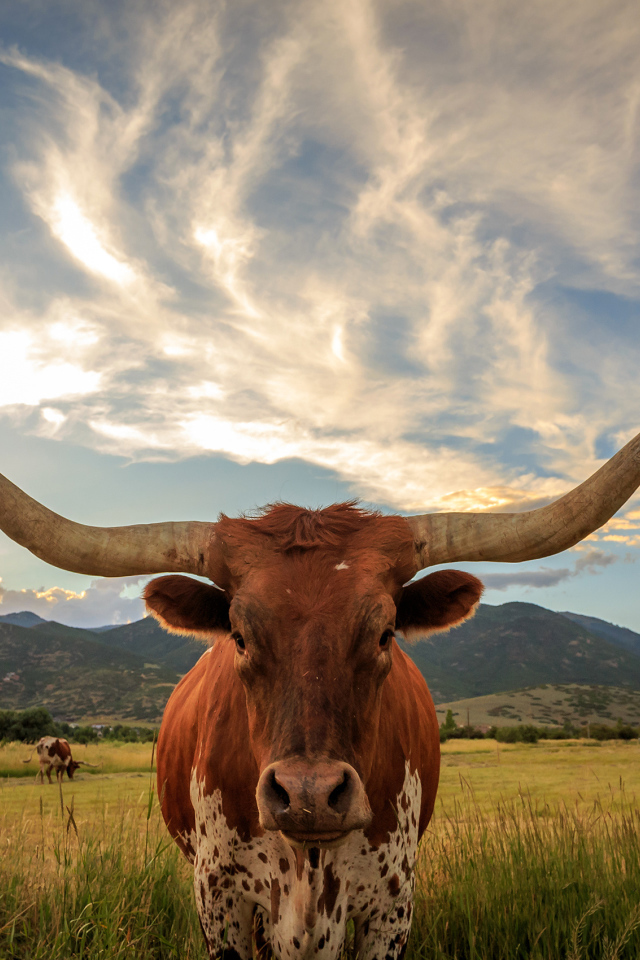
(224, 867)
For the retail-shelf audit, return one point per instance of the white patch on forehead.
(341, 566)
(305, 903)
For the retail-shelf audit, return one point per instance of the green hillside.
(548, 705)
(621, 636)
(519, 645)
(75, 676)
(147, 639)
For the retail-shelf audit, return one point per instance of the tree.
(27, 725)
(449, 727)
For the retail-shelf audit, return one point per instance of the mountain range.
(77, 676)
(518, 645)
(127, 672)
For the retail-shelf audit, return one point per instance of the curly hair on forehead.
(298, 528)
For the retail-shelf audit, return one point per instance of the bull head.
(310, 604)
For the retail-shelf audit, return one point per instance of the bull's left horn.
(104, 551)
(513, 537)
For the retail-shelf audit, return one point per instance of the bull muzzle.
(317, 803)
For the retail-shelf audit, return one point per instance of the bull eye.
(386, 639)
(240, 644)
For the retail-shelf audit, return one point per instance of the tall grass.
(119, 889)
(530, 881)
(507, 880)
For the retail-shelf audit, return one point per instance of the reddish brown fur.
(287, 529)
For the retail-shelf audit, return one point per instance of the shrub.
(475, 734)
(130, 734)
(84, 735)
(529, 734)
(626, 732)
(27, 725)
(601, 731)
(508, 734)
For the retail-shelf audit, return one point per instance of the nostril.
(279, 791)
(339, 794)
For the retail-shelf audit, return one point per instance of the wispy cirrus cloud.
(339, 232)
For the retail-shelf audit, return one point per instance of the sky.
(313, 251)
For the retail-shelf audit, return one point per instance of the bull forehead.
(337, 538)
(326, 593)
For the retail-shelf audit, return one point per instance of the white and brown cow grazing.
(54, 753)
(298, 761)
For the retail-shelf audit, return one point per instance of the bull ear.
(437, 602)
(186, 606)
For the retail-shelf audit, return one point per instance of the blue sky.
(313, 251)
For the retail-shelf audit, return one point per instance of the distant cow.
(54, 753)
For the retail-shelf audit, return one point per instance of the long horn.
(513, 537)
(104, 551)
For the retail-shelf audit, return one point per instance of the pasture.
(533, 852)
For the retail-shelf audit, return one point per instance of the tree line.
(28, 726)
(529, 733)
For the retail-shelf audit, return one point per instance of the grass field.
(111, 757)
(533, 852)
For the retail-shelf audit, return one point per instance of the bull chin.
(324, 841)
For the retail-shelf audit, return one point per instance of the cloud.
(341, 232)
(545, 577)
(108, 601)
(592, 561)
(78, 234)
(29, 376)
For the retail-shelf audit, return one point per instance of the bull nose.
(310, 800)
